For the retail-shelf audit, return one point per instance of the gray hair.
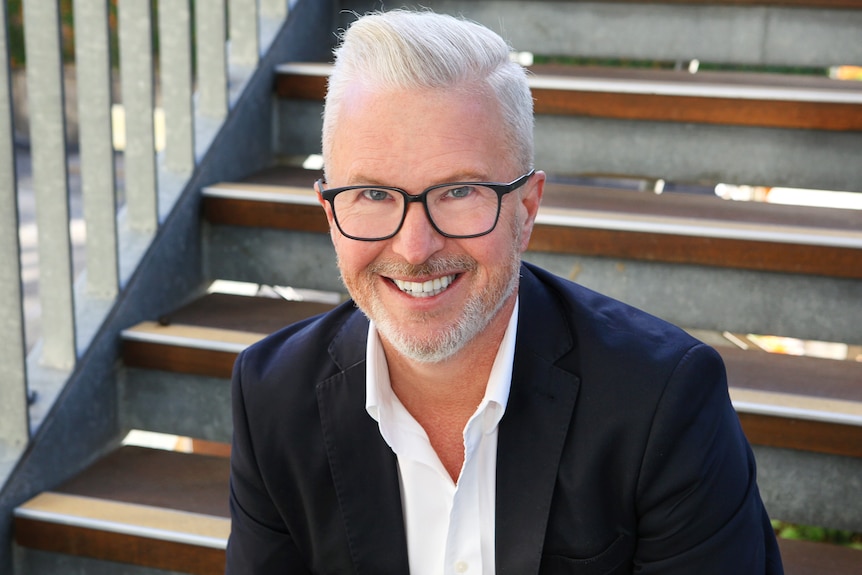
(401, 49)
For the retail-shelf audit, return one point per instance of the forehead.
(418, 137)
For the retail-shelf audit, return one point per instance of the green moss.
(819, 534)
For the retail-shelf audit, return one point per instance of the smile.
(425, 289)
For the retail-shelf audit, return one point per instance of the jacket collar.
(534, 428)
(364, 469)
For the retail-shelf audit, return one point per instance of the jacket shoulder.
(304, 351)
(605, 328)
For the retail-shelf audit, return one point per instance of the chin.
(440, 344)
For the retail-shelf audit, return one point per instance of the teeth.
(425, 289)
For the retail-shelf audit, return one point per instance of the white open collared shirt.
(450, 527)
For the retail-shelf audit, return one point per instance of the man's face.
(429, 295)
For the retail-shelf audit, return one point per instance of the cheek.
(492, 254)
(353, 256)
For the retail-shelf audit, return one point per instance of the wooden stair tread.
(747, 369)
(810, 558)
(824, 378)
(705, 77)
(156, 478)
(192, 336)
(636, 77)
(779, 101)
(229, 318)
(712, 97)
(246, 313)
(97, 513)
(136, 505)
(205, 336)
(563, 195)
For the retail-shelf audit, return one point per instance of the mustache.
(434, 266)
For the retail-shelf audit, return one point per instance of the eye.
(375, 195)
(460, 192)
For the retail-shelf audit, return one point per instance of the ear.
(327, 208)
(531, 198)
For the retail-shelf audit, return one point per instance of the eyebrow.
(461, 177)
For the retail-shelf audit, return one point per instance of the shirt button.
(461, 567)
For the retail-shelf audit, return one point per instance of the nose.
(417, 240)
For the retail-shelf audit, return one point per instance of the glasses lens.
(455, 209)
(368, 213)
(463, 209)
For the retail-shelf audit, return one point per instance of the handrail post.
(14, 420)
(50, 181)
(211, 27)
(136, 77)
(244, 36)
(175, 66)
(274, 9)
(93, 67)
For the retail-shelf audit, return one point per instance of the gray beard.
(481, 308)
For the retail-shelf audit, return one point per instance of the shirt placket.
(463, 544)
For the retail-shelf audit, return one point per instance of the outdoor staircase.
(609, 139)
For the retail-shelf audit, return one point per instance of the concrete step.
(139, 510)
(754, 129)
(146, 508)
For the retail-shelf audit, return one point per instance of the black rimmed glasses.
(455, 210)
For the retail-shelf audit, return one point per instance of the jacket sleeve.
(259, 541)
(698, 504)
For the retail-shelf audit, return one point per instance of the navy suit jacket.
(619, 451)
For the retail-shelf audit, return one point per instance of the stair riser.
(273, 257)
(35, 562)
(179, 404)
(741, 301)
(811, 488)
(700, 152)
(140, 556)
(741, 34)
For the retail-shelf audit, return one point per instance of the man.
(473, 415)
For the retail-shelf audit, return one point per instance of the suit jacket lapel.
(533, 430)
(531, 438)
(364, 469)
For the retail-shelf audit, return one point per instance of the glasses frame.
(500, 189)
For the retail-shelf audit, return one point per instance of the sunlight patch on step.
(791, 196)
(780, 345)
(288, 293)
(177, 443)
(154, 440)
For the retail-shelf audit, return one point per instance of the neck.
(455, 385)
(443, 396)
